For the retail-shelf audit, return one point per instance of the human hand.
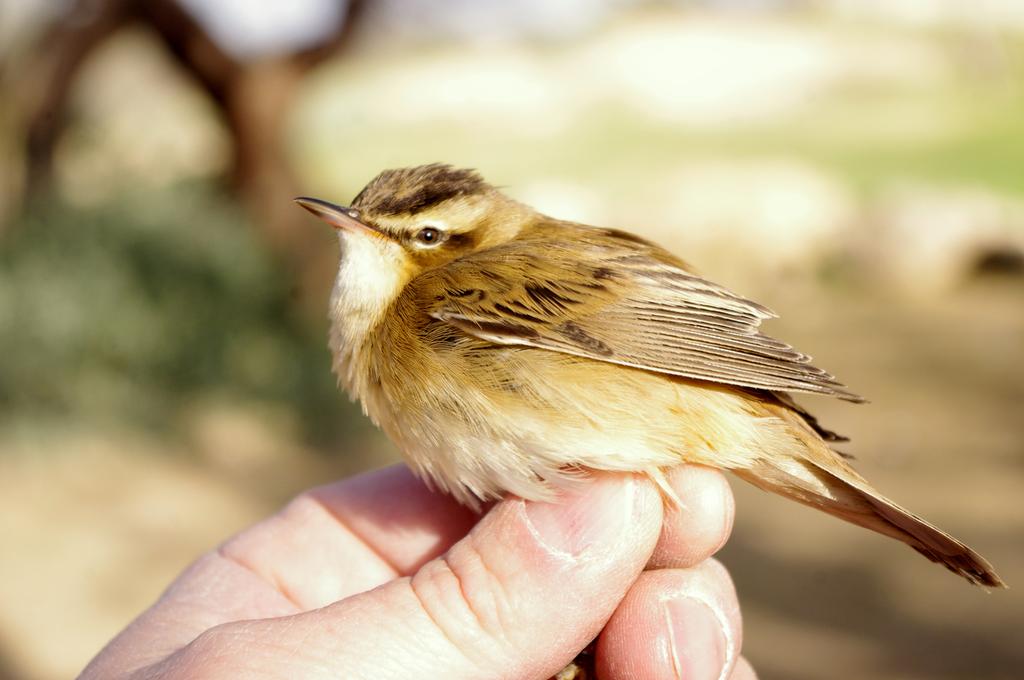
(376, 576)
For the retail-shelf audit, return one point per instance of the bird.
(505, 351)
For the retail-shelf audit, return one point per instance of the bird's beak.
(337, 216)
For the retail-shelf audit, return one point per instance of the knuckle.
(467, 601)
(300, 507)
(210, 655)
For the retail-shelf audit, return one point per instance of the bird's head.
(409, 220)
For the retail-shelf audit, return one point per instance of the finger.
(674, 623)
(350, 536)
(210, 592)
(698, 528)
(528, 588)
(743, 671)
(329, 543)
(397, 516)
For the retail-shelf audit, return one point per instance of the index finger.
(350, 536)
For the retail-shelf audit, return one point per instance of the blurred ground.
(165, 380)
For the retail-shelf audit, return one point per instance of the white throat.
(371, 274)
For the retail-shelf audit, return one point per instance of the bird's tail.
(820, 478)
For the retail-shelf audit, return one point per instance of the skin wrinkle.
(501, 613)
(347, 528)
(471, 567)
(186, 605)
(272, 579)
(419, 589)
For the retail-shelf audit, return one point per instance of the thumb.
(518, 597)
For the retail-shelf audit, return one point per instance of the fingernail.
(583, 516)
(697, 639)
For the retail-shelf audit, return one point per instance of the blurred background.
(858, 165)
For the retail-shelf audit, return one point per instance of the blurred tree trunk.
(53, 68)
(254, 98)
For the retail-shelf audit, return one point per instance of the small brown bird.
(503, 350)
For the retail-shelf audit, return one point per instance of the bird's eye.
(429, 236)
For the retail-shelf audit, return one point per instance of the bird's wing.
(609, 296)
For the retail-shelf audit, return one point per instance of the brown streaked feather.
(626, 302)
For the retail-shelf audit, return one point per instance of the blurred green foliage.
(130, 309)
